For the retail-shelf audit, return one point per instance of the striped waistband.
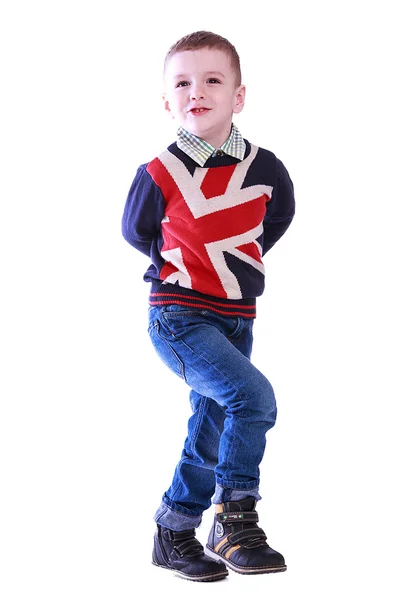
(232, 308)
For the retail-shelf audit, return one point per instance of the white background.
(92, 423)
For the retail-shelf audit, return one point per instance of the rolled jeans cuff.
(227, 494)
(175, 520)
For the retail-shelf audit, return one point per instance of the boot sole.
(209, 577)
(244, 570)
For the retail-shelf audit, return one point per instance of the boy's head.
(202, 85)
(207, 39)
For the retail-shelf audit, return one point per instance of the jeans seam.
(156, 328)
(178, 487)
(197, 427)
(229, 453)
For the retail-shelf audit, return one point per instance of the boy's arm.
(143, 212)
(280, 209)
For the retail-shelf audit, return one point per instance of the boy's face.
(201, 93)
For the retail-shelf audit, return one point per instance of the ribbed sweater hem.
(164, 294)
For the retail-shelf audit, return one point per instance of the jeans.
(233, 407)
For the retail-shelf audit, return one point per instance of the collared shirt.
(201, 150)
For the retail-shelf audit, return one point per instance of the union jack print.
(208, 216)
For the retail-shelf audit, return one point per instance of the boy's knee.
(258, 399)
(267, 402)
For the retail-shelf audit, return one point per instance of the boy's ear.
(239, 99)
(166, 103)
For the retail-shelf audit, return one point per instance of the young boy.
(206, 211)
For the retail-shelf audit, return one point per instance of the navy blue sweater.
(206, 229)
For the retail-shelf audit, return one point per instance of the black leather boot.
(236, 539)
(181, 552)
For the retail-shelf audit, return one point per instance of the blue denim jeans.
(233, 407)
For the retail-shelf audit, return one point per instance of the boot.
(236, 540)
(181, 552)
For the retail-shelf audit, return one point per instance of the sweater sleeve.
(144, 210)
(280, 209)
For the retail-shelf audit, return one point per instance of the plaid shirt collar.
(201, 151)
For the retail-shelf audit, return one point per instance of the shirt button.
(219, 152)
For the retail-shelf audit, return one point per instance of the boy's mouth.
(199, 111)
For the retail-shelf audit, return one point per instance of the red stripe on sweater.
(166, 294)
(216, 181)
(235, 313)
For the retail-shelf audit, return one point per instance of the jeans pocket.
(165, 351)
(178, 320)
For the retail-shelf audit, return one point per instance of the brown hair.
(207, 39)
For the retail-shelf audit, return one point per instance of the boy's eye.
(186, 83)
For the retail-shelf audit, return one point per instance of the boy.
(206, 211)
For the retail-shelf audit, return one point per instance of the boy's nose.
(197, 93)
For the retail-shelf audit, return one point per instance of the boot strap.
(238, 517)
(241, 536)
(190, 547)
(185, 543)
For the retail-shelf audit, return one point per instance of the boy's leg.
(212, 355)
(193, 482)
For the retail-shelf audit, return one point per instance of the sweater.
(206, 229)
